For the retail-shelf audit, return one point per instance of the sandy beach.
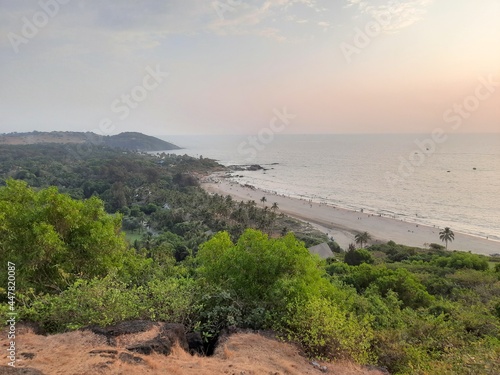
(342, 224)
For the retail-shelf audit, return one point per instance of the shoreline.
(343, 224)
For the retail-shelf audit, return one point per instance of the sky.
(243, 67)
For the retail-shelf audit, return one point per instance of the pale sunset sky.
(225, 67)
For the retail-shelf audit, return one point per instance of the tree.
(269, 282)
(261, 271)
(362, 238)
(55, 239)
(355, 257)
(263, 200)
(446, 235)
(274, 207)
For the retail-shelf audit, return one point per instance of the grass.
(240, 354)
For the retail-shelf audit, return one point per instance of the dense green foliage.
(276, 283)
(55, 239)
(156, 194)
(355, 257)
(194, 258)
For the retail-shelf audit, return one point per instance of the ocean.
(453, 180)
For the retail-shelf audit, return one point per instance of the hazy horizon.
(197, 67)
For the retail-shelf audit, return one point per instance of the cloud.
(270, 19)
(129, 26)
(402, 13)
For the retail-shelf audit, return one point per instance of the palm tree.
(446, 235)
(362, 238)
(274, 207)
(263, 200)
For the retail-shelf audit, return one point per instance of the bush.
(327, 331)
(262, 272)
(421, 339)
(98, 301)
(216, 311)
(385, 311)
(171, 300)
(54, 239)
(338, 268)
(355, 257)
(409, 290)
(436, 246)
(460, 260)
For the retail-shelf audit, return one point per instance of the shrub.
(385, 311)
(327, 331)
(409, 290)
(54, 239)
(262, 272)
(339, 268)
(436, 246)
(171, 300)
(355, 257)
(86, 302)
(216, 311)
(460, 260)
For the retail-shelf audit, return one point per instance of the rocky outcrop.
(195, 343)
(144, 337)
(253, 167)
(123, 328)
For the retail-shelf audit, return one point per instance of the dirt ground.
(83, 352)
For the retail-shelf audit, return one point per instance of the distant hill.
(127, 141)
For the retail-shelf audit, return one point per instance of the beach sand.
(343, 225)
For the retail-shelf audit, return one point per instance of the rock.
(8, 370)
(104, 353)
(383, 370)
(145, 341)
(129, 358)
(319, 367)
(170, 333)
(174, 333)
(123, 328)
(255, 167)
(150, 346)
(28, 355)
(195, 343)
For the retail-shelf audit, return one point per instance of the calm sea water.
(457, 185)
